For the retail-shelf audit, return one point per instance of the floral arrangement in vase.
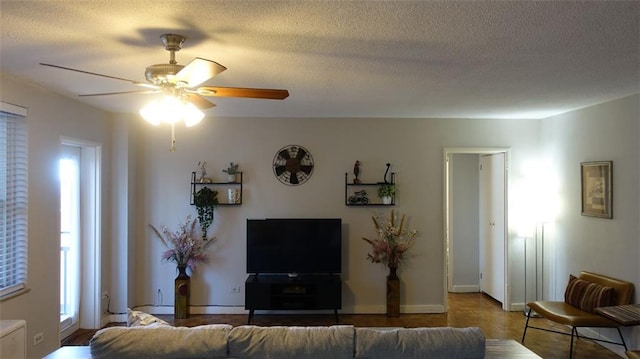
(184, 248)
(393, 240)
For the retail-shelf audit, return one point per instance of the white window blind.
(13, 199)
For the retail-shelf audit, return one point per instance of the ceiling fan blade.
(142, 92)
(198, 101)
(138, 83)
(198, 71)
(268, 94)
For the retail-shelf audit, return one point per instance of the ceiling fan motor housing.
(160, 74)
(163, 74)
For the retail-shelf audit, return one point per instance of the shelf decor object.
(231, 172)
(206, 201)
(596, 182)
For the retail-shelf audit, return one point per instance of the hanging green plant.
(206, 201)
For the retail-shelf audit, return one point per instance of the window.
(13, 199)
(69, 235)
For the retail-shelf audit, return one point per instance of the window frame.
(14, 194)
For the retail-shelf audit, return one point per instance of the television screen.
(294, 245)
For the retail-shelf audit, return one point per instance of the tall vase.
(182, 287)
(393, 293)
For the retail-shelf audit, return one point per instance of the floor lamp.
(538, 258)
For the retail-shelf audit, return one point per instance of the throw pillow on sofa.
(136, 318)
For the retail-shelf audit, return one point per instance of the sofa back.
(160, 341)
(418, 343)
(253, 342)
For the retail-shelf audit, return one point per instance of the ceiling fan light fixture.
(152, 113)
(192, 115)
(170, 109)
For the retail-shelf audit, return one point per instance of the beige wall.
(413, 146)
(144, 183)
(50, 117)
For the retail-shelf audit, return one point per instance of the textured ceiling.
(470, 59)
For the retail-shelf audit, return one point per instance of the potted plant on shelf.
(386, 192)
(206, 201)
(231, 172)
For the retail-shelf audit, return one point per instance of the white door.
(492, 225)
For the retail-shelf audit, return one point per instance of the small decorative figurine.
(356, 172)
(203, 171)
(386, 172)
(359, 197)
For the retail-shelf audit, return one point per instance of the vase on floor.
(393, 293)
(182, 288)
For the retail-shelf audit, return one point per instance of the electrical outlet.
(38, 338)
(235, 290)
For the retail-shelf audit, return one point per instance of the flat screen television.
(294, 246)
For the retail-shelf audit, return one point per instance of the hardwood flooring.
(465, 310)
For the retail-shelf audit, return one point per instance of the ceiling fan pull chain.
(172, 147)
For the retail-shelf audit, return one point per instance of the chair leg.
(573, 330)
(622, 339)
(526, 325)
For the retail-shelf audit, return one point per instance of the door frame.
(91, 228)
(448, 262)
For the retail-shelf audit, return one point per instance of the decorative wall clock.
(293, 165)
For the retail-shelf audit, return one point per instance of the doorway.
(80, 240)
(473, 254)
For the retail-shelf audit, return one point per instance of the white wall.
(465, 226)
(605, 132)
(157, 191)
(50, 117)
(413, 146)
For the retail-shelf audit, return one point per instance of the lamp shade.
(191, 114)
(170, 109)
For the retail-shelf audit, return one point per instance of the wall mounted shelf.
(220, 187)
(354, 196)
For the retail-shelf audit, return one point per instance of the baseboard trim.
(366, 309)
(209, 309)
(471, 288)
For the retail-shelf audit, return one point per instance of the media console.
(282, 292)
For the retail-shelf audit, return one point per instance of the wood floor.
(465, 310)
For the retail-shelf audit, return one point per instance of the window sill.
(12, 295)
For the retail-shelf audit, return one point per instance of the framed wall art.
(596, 178)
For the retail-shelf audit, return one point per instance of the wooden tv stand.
(282, 292)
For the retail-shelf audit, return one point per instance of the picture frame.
(596, 183)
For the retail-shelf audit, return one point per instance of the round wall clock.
(293, 165)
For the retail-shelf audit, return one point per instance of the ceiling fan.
(181, 81)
